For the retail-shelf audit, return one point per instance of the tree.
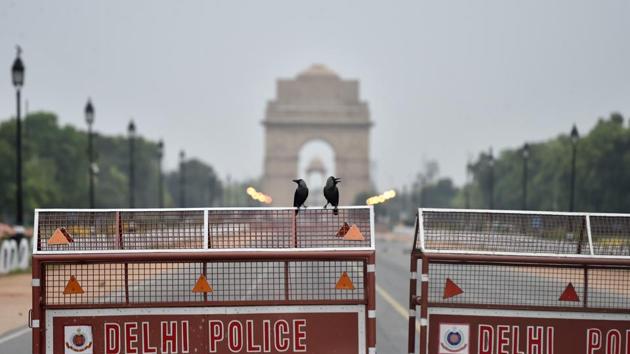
(602, 172)
(56, 170)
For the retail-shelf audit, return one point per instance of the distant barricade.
(15, 250)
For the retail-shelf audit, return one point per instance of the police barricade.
(494, 282)
(261, 280)
(15, 253)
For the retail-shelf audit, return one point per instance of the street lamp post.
(525, 154)
(491, 166)
(160, 181)
(89, 119)
(17, 74)
(182, 179)
(131, 129)
(467, 186)
(575, 137)
(210, 189)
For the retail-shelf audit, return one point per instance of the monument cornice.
(322, 124)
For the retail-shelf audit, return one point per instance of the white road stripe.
(16, 334)
(404, 313)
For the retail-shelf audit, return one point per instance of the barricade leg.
(424, 304)
(413, 271)
(35, 318)
(371, 306)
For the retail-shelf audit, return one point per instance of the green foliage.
(602, 173)
(55, 170)
(602, 177)
(202, 187)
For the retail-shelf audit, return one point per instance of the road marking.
(16, 334)
(404, 313)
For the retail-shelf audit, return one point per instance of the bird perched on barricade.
(332, 193)
(301, 193)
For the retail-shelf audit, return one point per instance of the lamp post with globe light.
(89, 119)
(575, 138)
(160, 155)
(525, 154)
(182, 179)
(17, 75)
(131, 130)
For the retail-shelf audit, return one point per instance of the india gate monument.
(317, 105)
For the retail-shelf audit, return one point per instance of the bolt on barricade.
(499, 282)
(239, 280)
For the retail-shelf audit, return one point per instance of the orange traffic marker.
(202, 285)
(60, 237)
(343, 230)
(344, 282)
(569, 294)
(451, 289)
(73, 286)
(354, 234)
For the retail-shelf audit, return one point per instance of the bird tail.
(336, 211)
(297, 210)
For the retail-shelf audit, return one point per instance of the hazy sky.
(444, 79)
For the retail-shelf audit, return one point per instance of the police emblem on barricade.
(78, 339)
(453, 338)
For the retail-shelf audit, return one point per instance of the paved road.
(391, 273)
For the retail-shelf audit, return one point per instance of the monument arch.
(316, 105)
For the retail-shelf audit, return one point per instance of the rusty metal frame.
(366, 255)
(427, 257)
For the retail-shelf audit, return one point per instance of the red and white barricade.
(247, 280)
(507, 282)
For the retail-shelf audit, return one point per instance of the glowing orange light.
(381, 198)
(259, 196)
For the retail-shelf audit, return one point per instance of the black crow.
(301, 193)
(332, 193)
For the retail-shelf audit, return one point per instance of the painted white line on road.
(404, 313)
(16, 334)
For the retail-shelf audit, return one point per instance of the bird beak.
(337, 180)
(296, 180)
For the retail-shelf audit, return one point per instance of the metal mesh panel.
(505, 285)
(246, 281)
(311, 228)
(163, 282)
(504, 232)
(90, 230)
(102, 283)
(316, 280)
(527, 285)
(184, 229)
(611, 235)
(250, 228)
(172, 282)
(320, 227)
(162, 229)
(609, 288)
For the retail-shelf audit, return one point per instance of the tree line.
(56, 168)
(602, 181)
(56, 165)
